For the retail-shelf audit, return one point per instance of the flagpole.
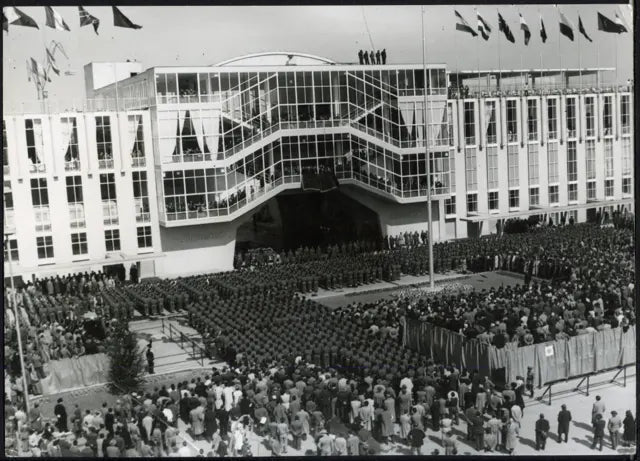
(580, 52)
(426, 138)
(499, 60)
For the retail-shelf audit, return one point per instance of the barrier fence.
(551, 361)
(189, 345)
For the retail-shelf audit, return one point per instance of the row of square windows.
(79, 244)
(534, 196)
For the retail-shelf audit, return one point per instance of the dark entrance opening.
(300, 219)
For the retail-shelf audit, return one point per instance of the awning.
(553, 209)
(116, 258)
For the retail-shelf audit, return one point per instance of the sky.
(205, 35)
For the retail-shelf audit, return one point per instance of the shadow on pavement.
(586, 427)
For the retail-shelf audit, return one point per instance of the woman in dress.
(511, 441)
(405, 425)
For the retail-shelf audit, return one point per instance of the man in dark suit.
(383, 55)
(372, 57)
(61, 413)
(377, 56)
(361, 57)
(542, 432)
(564, 419)
(598, 432)
(365, 55)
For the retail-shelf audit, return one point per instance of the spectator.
(542, 432)
(564, 420)
(629, 424)
(613, 426)
(598, 431)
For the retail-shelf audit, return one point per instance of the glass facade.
(363, 126)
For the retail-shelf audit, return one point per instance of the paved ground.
(373, 292)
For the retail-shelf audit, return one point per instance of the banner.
(551, 361)
(73, 373)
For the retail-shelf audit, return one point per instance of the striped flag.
(54, 20)
(86, 19)
(464, 25)
(581, 29)
(483, 26)
(525, 27)
(543, 31)
(120, 20)
(607, 25)
(5, 23)
(52, 62)
(18, 18)
(566, 28)
(504, 27)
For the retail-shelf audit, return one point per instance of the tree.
(127, 365)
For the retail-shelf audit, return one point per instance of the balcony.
(5, 169)
(76, 215)
(143, 217)
(533, 136)
(43, 218)
(492, 139)
(105, 164)
(573, 133)
(73, 165)
(37, 168)
(626, 129)
(138, 162)
(110, 212)
(9, 219)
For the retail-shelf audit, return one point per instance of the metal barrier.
(176, 336)
(585, 390)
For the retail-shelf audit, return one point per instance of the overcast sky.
(200, 35)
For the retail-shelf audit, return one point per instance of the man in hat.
(360, 57)
(542, 432)
(564, 420)
(598, 431)
(325, 444)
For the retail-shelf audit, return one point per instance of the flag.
(543, 31)
(566, 28)
(52, 62)
(120, 20)
(581, 29)
(86, 19)
(502, 25)
(5, 23)
(483, 27)
(463, 25)
(18, 18)
(620, 23)
(36, 70)
(607, 25)
(54, 20)
(525, 27)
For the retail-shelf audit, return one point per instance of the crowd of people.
(348, 365)
(312, 408)
(379, 57)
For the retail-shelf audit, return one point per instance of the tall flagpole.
(499, 60)
(579, 53)
(426, 137)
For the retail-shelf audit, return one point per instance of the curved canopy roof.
(276, 58)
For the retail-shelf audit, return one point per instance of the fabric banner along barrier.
(76, 372)
(551, 361)
(447, 347)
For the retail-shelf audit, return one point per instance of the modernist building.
(162, 166)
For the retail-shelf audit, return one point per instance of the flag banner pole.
(428, 166)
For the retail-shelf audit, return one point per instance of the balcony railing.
(539, 90)
(43, 218)
(492, 139)
(138, 162)
(73, 165)
(5, 169)
(9, 218)
(105, 164)
(50, 106)
(143, 217)
(626, 129)
(109, 212)
(572, 133)
(37, 168)
(533, 136)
